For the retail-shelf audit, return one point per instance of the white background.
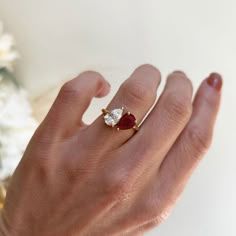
(59, 39)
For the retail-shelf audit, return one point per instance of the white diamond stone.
(113, 117)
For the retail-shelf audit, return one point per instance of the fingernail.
(215, 81)
(179, 72)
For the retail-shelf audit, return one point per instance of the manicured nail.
(215, 81)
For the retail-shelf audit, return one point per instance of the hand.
(78, 179)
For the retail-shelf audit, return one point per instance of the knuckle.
(156, 209)
(116, 185)
(160, 218)
(68, 92)
(137, 92)
(199, 140)
(178, 107)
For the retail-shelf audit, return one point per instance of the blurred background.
(56, 40)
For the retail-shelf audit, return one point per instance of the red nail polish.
(215, 81)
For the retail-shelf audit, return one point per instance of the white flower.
(16, 127)
(7, 53)
(16, 122)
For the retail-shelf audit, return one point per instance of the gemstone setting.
(116, 118)
(127, 121)
(113, 117)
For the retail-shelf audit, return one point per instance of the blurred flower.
(16, 122)
(16, 127)
(7, 53)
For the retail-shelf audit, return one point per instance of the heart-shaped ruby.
(127, 121)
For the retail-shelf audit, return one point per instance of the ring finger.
(137, 95)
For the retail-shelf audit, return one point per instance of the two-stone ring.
(120, 120)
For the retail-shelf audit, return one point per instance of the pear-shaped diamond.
(113, 117)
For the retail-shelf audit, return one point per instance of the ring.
(116, 118)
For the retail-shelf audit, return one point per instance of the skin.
(78, 179)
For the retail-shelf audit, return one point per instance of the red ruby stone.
(126, 122)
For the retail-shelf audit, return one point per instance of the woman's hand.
(78, 179)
